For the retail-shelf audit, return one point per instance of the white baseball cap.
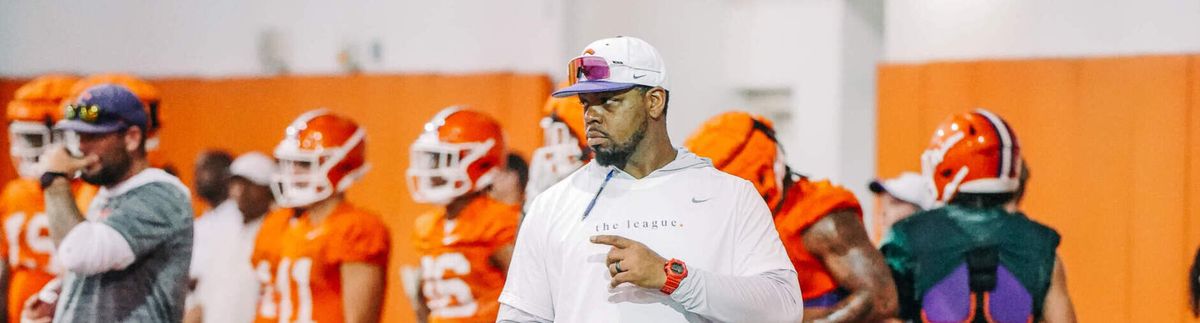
(615, 64)
(909, 187)
(255, 167)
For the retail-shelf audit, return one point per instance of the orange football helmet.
(744, 145)
(563, 149)
(973, 152)
(142, 89)
(321, 153)
(458, 152)
(31, 116)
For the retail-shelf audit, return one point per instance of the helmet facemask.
(931, 159)
(28, 140)
(438, 171)
(304, 175)
(559, 155)
(971, 153)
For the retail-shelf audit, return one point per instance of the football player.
(563, 150)
(320, 258)
(509, 184)
(842, 276)
(466, 243)
(27, 249)
(971, 260)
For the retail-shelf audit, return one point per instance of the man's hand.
(39, 308)
(56, 158)
(637, 263)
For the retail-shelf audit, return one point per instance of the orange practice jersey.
(459, 280)
(806, 203)
(27, 246)
(299, 264)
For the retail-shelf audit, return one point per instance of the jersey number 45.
(447, 297)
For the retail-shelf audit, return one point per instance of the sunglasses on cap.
(89, 113)
(587, 68)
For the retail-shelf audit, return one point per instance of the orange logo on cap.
(589, 51)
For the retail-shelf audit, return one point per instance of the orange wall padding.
(241, 115)
(1114, 150)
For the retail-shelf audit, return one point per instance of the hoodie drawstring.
(592, 204)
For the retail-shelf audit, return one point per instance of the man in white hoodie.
(645, 232)
(227, 287)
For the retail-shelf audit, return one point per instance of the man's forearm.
(61, 209)
(841, 243)
(362, 286)
(855, 308)
(772, 296)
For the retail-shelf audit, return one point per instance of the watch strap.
(673, 278)
(49, 177)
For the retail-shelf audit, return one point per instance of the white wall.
(861, 51)
(221, 37)
(928, 30)
(794, 45)
(825, 53)
(687, 33)
(822, 52)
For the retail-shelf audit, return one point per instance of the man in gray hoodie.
(645, 232)
(127, 258)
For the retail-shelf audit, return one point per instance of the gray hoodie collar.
(684, 160)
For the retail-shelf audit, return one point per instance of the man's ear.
(133, 138)
(656, 100)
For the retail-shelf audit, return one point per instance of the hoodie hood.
(684, 160)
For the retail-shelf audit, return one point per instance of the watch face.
(677, 268)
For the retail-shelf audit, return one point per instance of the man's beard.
(212, 192)
(251, 211)
(619, 154)
(111, 172)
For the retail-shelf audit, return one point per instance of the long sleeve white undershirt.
(92, 247)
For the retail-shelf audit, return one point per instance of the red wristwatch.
(676, 271)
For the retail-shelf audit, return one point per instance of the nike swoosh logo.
(639, 76)
(696, 200)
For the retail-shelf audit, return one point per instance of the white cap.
(631, 60)
(909, 187)
(254, 166)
